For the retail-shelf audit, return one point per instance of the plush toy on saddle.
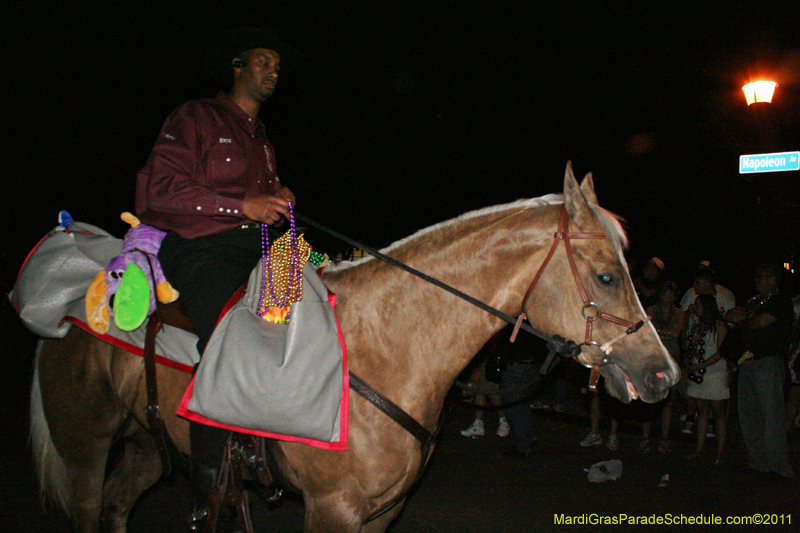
(128, 287)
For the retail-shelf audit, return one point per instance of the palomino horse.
(406, 338)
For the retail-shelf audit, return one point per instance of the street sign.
(777, 162)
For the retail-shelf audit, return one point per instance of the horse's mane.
(611, 223)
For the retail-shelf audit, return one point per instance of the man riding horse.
(211, 181)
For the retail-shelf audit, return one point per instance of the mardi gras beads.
(697, 350)
(281, 272)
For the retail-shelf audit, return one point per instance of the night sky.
(409, 113)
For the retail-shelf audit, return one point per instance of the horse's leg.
(139, 465)
(82, 415)
(334, 514)
(330, 514)
(138, 469)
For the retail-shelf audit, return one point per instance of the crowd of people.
(750, 353)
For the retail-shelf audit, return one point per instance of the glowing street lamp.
(759, 91)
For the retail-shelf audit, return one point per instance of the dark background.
(409, 113)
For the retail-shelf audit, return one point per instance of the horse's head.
(588, 291)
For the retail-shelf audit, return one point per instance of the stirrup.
(242, 452)
(197, 520)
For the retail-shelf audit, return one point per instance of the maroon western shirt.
(208, 156)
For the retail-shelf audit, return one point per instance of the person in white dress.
(707, 371)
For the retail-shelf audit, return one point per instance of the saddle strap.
(425, 437)
(152, 412)
(392, 411)
(172, 314)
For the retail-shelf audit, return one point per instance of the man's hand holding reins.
(268, 208)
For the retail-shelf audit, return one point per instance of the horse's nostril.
(657, 381)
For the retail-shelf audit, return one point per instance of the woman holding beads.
(707, 371)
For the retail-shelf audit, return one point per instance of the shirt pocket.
(226, 164)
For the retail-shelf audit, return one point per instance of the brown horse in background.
(406, 338)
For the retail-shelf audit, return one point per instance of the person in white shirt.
(704, 283)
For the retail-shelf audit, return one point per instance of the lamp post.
(758, 94)
(773, 191)
(759, 91)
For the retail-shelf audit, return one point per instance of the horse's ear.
(587, 188)
(574, 200)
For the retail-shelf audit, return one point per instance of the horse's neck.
(399, 325)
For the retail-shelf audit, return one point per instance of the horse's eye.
(605, 279)
(117, 274)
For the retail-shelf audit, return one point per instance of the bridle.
(591, 311)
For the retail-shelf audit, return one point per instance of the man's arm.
(752, 321)
(169, 183)
(760, 321)
(688, 299)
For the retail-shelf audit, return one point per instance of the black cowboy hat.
(229, 45)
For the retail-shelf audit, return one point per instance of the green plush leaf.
(132, 300)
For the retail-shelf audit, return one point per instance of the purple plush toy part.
(140, 246)
(127, 289)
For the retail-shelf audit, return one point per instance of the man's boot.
(204, 479)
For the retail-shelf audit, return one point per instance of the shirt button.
(221, 209)
(236, 211)
(199, 208)
(228, 160)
